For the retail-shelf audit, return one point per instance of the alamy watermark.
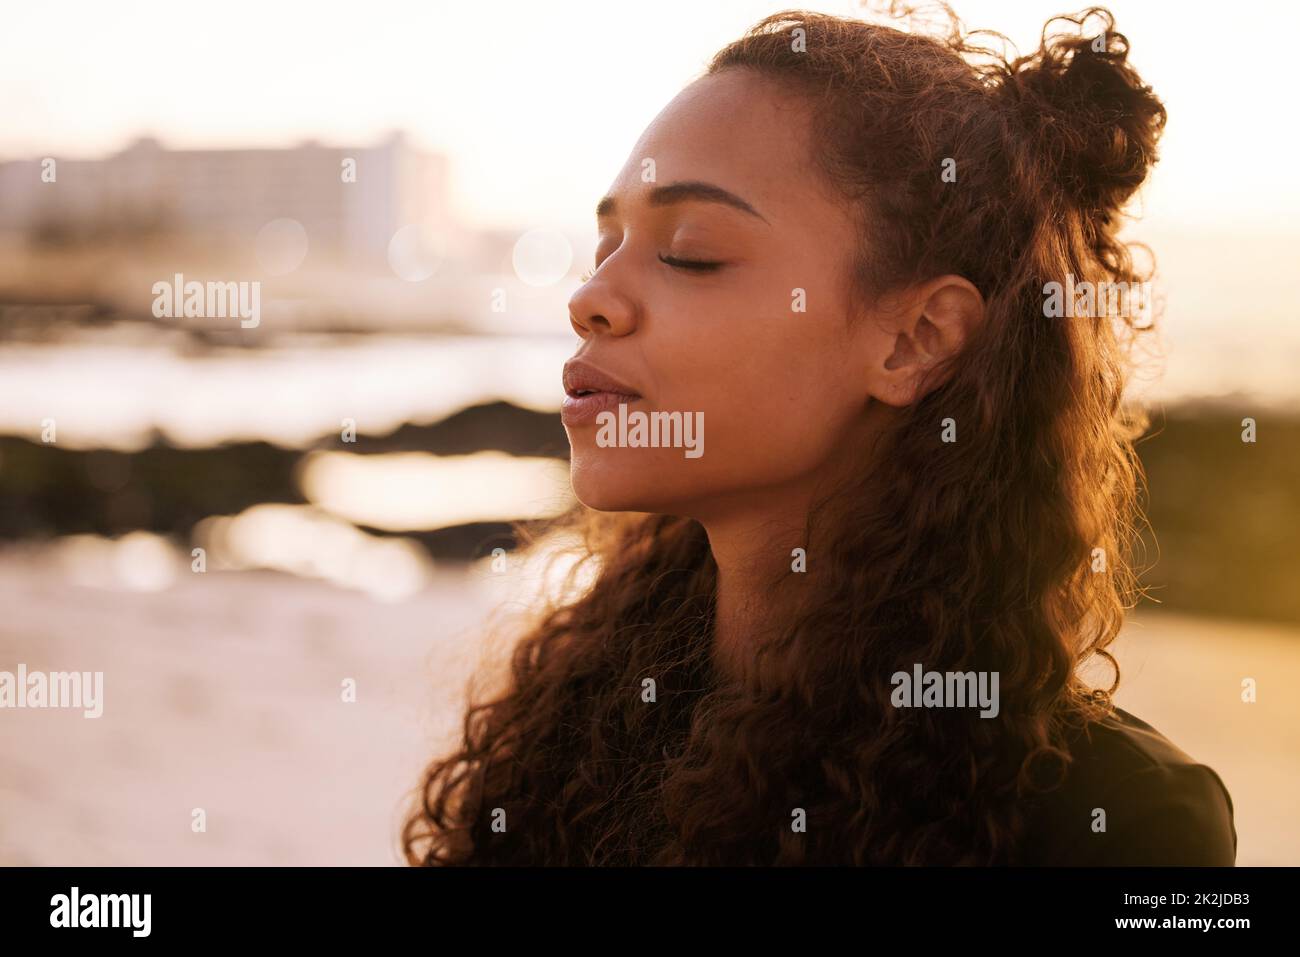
(212, 300)
(76, 909)
(1089, 300)
(55, 689)
(676, 430)
(946, 689)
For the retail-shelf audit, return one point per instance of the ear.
(916, 333)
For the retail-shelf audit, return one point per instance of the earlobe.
(898, 377)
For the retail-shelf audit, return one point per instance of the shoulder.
(1132, 798)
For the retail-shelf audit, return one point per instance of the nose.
(599, 306)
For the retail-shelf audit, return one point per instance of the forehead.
(736, 129)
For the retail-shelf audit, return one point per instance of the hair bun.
(1086, 113)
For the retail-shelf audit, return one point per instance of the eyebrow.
(682, 192)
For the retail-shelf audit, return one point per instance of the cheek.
(778, 397)
(774, 389)
(775, 424)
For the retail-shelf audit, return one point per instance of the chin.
(623, 483)
(607, 492)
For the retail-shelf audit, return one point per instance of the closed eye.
(692, 265)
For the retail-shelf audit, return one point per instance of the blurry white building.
(225, 196)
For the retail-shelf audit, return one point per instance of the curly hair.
(987, 563)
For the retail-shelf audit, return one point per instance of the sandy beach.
(224, 692)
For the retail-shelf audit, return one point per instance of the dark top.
(1161, 806)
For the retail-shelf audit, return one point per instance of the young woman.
(845, 628)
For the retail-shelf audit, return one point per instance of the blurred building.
(349, 200)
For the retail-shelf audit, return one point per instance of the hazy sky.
(538, 104)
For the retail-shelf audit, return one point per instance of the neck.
(752, 537)
(752, 550)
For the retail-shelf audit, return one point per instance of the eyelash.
(691, 265)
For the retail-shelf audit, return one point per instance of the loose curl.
(969, 555)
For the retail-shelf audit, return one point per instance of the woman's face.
(756, 353)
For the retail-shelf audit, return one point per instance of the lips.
(590, 390)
